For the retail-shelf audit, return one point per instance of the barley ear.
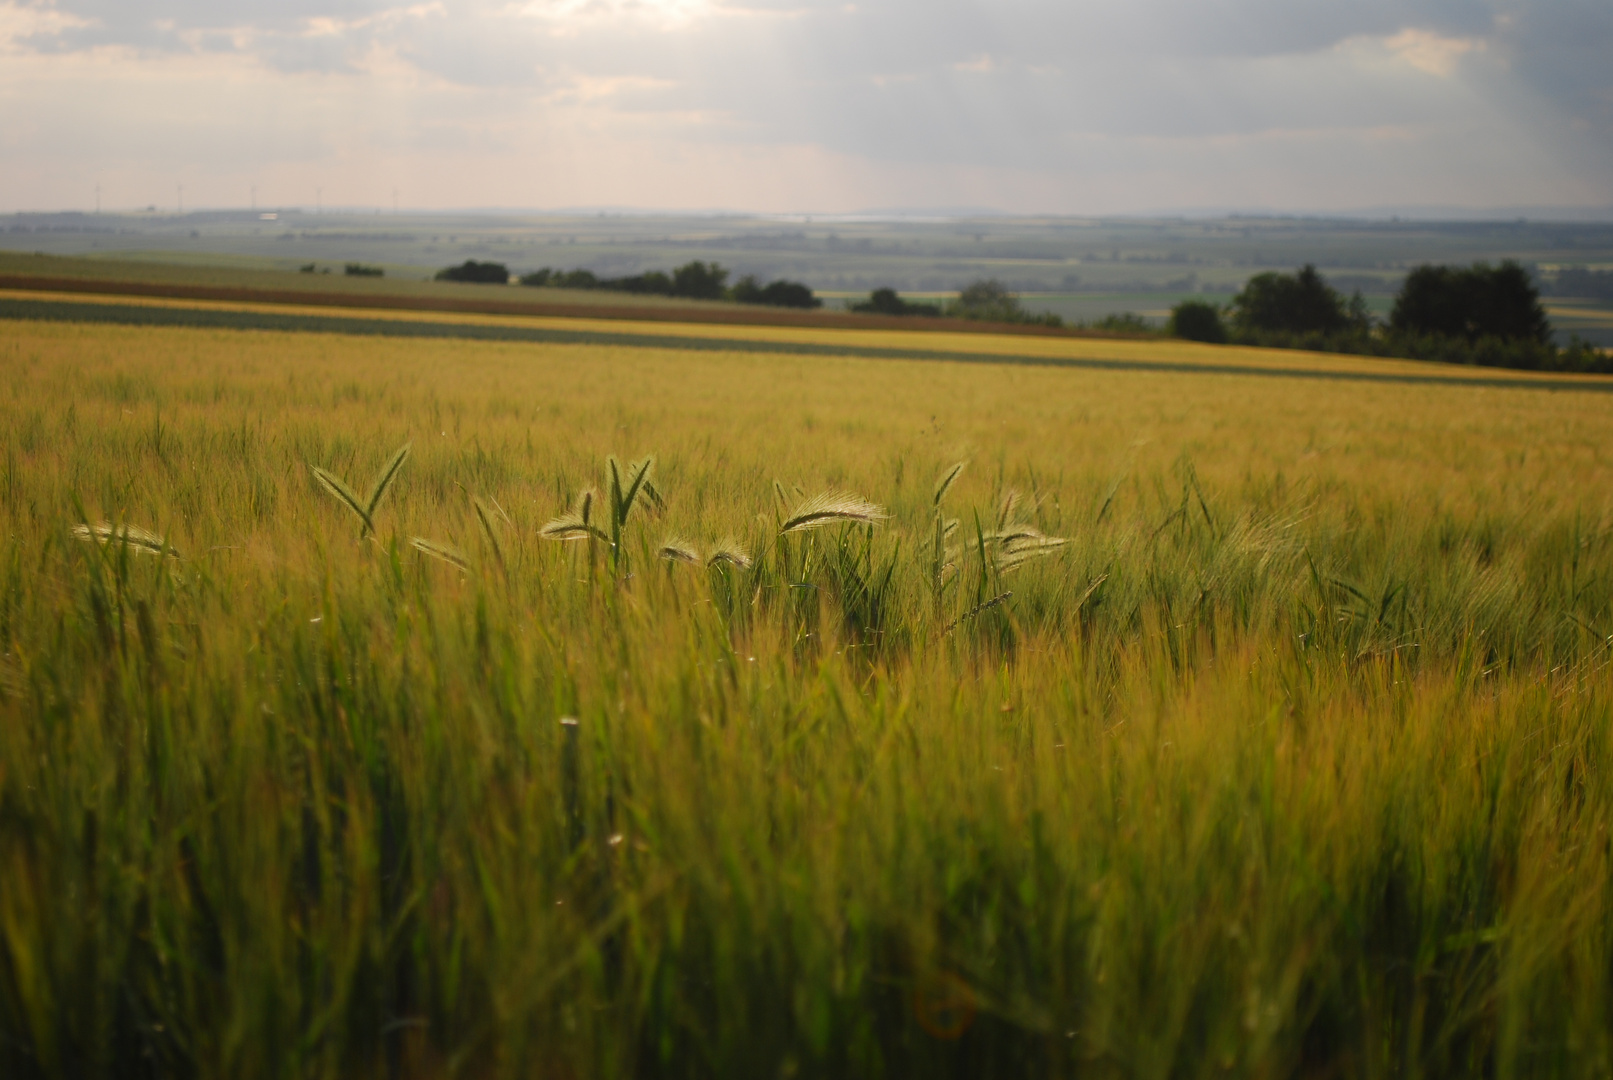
(131, 536)
(1099, 580)
(943, 485)
(572, 527)
(729, 552)
(445, 552)
(383, 480)
(675, 550)
(830, 507)
(346, 495)
(577, 525)
(657, 500)
(1000, 598)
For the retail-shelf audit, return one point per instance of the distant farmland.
(1079, 268)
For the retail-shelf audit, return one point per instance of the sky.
(808, 106)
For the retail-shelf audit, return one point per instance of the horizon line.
(1426, 213)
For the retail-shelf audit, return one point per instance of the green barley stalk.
(346, 495)
(364, 507)
(942, 529)
(943, 485)
(384, 478)
(485, 519)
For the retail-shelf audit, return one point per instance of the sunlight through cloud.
(663, 13)
(1430, 52)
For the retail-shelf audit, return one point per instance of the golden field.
(1291, 759)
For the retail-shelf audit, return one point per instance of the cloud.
(668, 14)
(1373, 101)
(21, 25)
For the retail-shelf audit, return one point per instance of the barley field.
(445, 708)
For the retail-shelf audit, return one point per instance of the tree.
(886, 302)
(699, 281)
(987, 299)
(1474, 302)
(747, 290)
(574, 279)
(781, 293)
(1196, 320)
(883, 302)
(1299, 303)
(480, 273)
(649, 283)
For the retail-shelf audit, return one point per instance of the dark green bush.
(649, 283)
(1197, 320)
(563, 279)
(1122, 322)
(1521, 354)
(886, 302)
(781, 293)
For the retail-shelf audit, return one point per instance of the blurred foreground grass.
(1293, 760)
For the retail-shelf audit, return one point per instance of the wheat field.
(672, 713)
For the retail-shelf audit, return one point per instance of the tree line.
(1485, 315)
(986, 300)
(695, 280)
